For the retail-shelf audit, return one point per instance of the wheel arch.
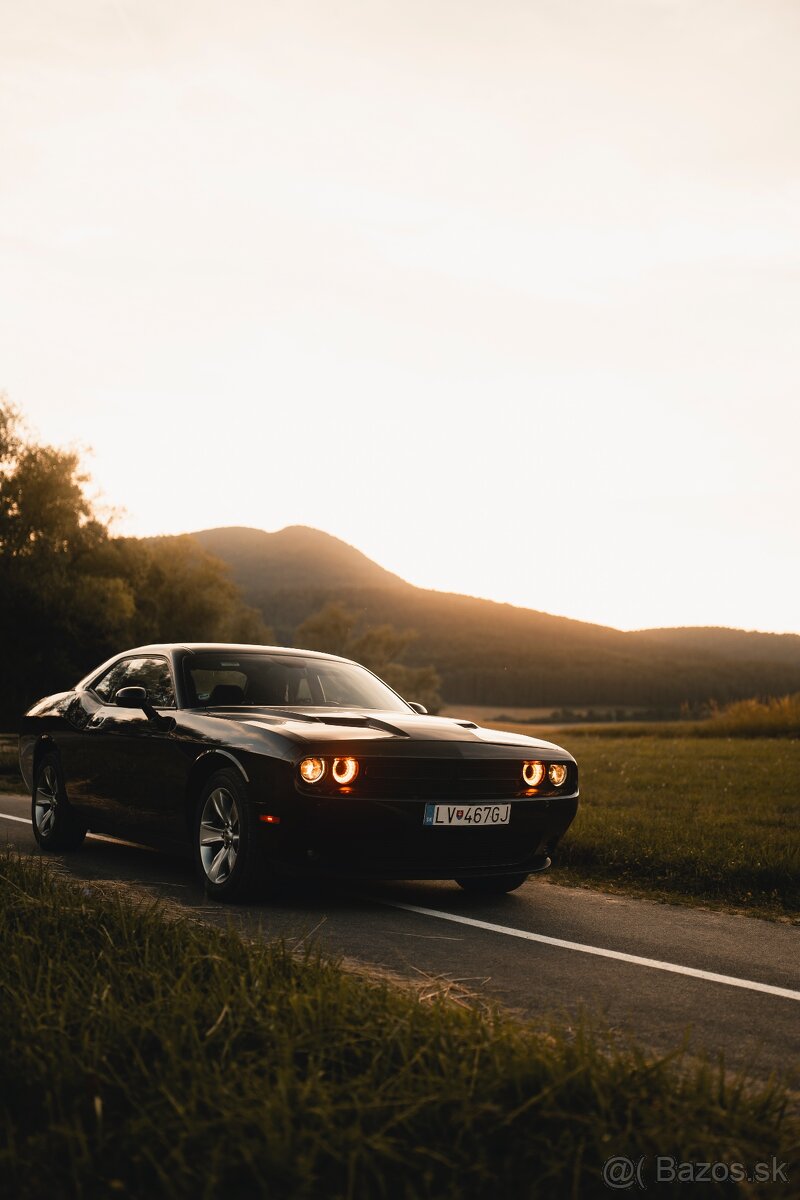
(44, 744)
(203, 767)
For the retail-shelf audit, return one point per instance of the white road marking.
(676, 968)
(96, 837)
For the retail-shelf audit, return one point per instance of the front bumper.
(347, 837)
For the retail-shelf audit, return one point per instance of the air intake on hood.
(348, 720)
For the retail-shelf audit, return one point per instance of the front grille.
(439, 779)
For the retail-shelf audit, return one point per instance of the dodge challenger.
(265, 761)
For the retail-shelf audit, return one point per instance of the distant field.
(491, 714)
(713, 820)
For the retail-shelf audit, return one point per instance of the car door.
(133, 768)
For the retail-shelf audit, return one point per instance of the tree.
(53, 609)
(44, 510)
(379, 647)
(327, 630)
(184, 594)
(71, 595)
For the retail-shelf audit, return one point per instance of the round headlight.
(533, 773)
(345, 770)
(557, 773)
(312, 770)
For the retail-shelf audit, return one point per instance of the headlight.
(344, 770)
(533, 773)
(557, 773)
(312, 769)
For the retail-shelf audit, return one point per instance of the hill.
(491, 653)
(292, 558)
(737, 645)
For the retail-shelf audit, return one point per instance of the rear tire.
(229, 863)
(492, 885)
(55, 824)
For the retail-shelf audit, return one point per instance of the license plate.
(467, 814)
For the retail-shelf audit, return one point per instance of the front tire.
(55, 825)
(492, 885)
(229, 863)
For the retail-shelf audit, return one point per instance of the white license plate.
(467, 814)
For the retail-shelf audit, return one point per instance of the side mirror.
(418, 708)
(136, 697)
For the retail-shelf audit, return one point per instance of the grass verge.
(715, 822)
(150, 1057)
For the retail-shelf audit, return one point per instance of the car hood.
(325, 725)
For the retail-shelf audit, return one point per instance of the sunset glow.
(457, 283)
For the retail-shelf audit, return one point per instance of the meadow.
(715, 821)
(144, 1055)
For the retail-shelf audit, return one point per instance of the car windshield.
(224, 680)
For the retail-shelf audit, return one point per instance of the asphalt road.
(658, 972)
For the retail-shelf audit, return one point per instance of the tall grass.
(150, 1058)
(775, 717)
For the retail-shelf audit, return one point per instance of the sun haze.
(504, 295)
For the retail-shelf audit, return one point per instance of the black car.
(269, 761)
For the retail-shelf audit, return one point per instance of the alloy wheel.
(219, 835)
(46, 801)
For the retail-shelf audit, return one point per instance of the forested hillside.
(488, 653)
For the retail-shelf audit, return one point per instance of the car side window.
(150, 672)
(110, 683)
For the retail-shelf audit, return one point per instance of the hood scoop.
(287, 714)
(357, 722)
(346, 720)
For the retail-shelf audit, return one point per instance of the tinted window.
(150, 672)
(283, 681)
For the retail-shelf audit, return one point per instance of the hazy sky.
(506, 294)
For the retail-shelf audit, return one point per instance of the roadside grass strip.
(148, 1056)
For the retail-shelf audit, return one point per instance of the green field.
(712, 820)
(151, 1057)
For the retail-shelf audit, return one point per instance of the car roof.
(171, 648)
(227, 647)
